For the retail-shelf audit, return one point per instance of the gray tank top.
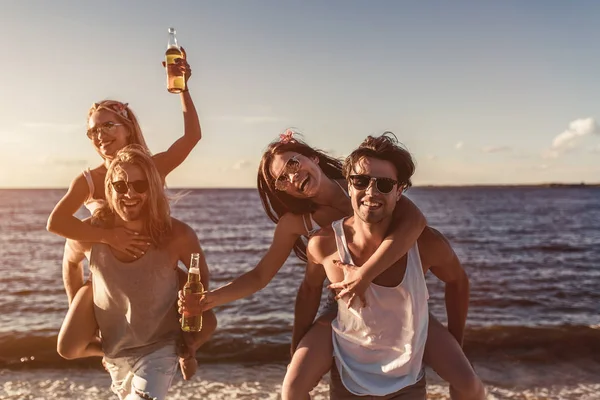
(134, 302)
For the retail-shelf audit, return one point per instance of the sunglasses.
(383, 185)
(122, 187)
(106, 127)
(292, 166)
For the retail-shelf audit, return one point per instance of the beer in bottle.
(175, 80)
(193, 286)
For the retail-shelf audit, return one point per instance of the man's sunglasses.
(122, 187)
(93, 133)
(292, 166)
(383, 185)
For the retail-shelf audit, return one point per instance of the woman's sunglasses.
(106, 127)
(122, 187)
(383, 185)
(292, 166)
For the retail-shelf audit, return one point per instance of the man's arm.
(190, 244)
(436, 251)
(72, 267)
(309, 294)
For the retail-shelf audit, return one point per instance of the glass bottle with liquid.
(175, 80)
(193, 286)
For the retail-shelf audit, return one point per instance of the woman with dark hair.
(302, 189)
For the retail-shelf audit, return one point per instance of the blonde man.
(134, 297)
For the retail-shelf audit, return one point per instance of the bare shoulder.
(433, 246)
(182, 231)
(79, 185)
(431, 237)
(291, 223)
(183, 240)
(321, 244)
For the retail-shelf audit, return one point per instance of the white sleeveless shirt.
(90, 203)
(378, 349)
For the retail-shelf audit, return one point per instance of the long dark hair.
(277, 203)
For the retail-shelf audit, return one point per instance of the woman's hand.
(194, 304)
(180, 67)
(353, 285)
(184, 67)
(127, 241)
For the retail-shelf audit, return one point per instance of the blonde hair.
(158, 217)
(125, 116)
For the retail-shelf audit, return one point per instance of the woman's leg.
(445, 356)
(312, 360)
(77, 336)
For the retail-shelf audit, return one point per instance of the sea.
(532, 255)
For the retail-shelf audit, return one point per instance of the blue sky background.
(480, 92)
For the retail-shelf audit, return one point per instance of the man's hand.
(352, 286)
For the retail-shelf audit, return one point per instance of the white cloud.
(241, 164)
(543, 166)
(431, 157)
(495, 149)
(458, 145)
(596, 149)
(578, 128)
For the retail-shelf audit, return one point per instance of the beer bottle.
(175, 80)
(193, 286)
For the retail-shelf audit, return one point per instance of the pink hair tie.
(287, 136)
(121, 108)
(113, 106)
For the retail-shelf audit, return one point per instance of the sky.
(504, 92)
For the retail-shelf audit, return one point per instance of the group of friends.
(349, 222)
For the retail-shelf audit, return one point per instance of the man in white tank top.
(378, 348)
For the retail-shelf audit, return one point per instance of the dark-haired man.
(378, 349)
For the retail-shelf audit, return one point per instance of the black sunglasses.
(383, 185)
(92, 133)
(122, 187)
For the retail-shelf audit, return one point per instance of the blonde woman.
(111, 125)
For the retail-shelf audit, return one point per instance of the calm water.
(532, 254)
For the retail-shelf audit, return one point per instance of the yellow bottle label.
(172, 57)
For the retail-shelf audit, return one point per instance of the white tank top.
(90, 203)
(378, 349)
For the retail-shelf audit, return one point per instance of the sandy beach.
(263, 381)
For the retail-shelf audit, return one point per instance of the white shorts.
(143, 377)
